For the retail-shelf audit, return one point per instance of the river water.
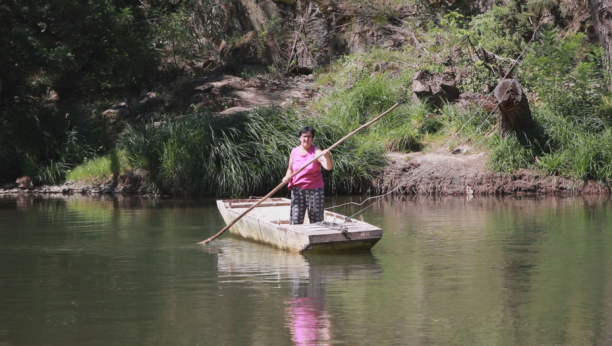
(448, 271)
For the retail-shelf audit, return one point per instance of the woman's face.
(306, 140)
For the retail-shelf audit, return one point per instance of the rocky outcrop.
(24, 183)
(435, 88)
(220, 92)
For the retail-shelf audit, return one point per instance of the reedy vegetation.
(243, 154)
(199, 153)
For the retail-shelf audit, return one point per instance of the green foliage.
(576, 147)
(404, 129)
(572, 117)
(71, 49)
(503, 30)
(100, 169)
(539, 6)
(241, 155)
(509, 153)
(454, 20)
(553, 163)
(368, 96)
(349, 69)
(567, 74)
(401, 130)
(108, 47)
(473, 122)
(45, 143)
(73, 150)
(74, 47)
(173, 36)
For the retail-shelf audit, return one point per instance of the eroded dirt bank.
(466, 174)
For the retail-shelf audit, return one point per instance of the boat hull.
(269, 224)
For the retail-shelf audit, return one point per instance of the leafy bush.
(44, 143)
(504, 30)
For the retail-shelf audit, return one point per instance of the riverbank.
(431, 174)
(466, 174)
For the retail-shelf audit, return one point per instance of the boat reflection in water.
(306, 314)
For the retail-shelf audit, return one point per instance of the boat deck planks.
(269, 223)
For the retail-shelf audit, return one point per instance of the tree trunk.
(515, 114)
(601, 15)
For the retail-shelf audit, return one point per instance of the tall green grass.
(510, 152)
(240, 155)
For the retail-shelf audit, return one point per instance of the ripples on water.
(448, 271)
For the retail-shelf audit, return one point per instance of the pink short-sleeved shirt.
(311, 176)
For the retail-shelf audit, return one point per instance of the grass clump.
(401, 130)
(239, 155)
(100, 169)
(510, 152)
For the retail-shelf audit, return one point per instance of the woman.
(307, 186)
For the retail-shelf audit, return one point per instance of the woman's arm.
(326, 159)
(289, 172)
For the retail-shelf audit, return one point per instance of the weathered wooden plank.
(247, 205)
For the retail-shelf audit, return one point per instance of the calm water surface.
(448, 271)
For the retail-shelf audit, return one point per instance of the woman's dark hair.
(306, 129)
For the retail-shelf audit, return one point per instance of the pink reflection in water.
(308, 321)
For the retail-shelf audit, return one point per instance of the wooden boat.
(268, 223)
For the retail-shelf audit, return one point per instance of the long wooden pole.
(294, 173)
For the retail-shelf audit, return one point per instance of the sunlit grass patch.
(100, 169)
(509, 153)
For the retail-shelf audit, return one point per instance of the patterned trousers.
(302, 199)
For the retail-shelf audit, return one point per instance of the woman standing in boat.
(307, 186)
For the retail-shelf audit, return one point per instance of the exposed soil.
(467, 174)
(224, 93)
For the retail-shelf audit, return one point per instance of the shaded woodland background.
(65, 64)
